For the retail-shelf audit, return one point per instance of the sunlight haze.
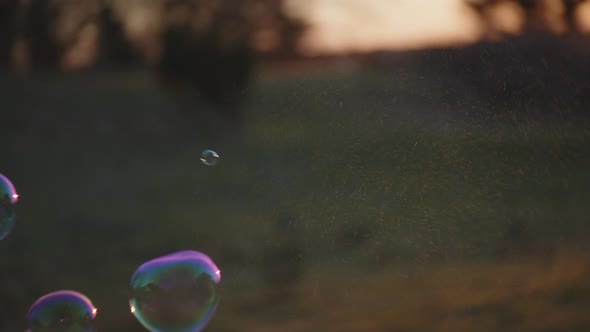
(351, 25)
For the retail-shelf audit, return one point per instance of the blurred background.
(385, 165)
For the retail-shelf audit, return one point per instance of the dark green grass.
(378, 171)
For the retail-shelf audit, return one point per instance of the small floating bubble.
(175, 292)
(209, 157)
(62, 311)
(8, 199)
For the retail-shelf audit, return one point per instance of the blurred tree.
(39, 25)
(482, 8)
(44, 49)
(274, 33)
(8, 9)
(212, 45)
(533, 12)
(114, 47)
(569, 13)
(219, 72)
(530, 8)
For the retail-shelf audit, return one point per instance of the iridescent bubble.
(62, 311)
(176, 292)
(8, 199)
(209, 157)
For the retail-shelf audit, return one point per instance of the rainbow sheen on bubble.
(177, 292)
(62, 311)
(8, 199)
(209, 157)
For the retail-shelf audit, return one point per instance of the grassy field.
(550, 294)
(409, 212)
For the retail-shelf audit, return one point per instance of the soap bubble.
(8, 199)
(61, 311)
(176, 292)
(209, 157)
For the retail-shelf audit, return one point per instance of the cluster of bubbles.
(172, 293)
(177, 292)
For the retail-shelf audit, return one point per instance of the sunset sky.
(360, 25)
(356, 25)
(340, 26)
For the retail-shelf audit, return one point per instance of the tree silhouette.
(272, 17)
(44, 50)
(114, 47)
(217, 58)
(8, 11)
(482, 8)
(532, 10)
(220, 73)
(570, 7)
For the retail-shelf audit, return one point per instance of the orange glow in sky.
(354, 25)
(364, 25)
(337, 26)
